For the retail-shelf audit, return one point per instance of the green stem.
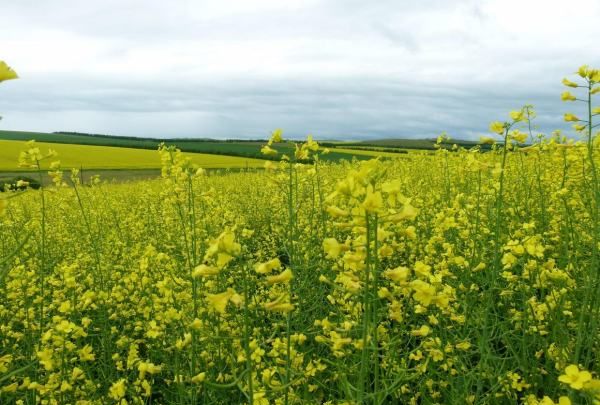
(247, 336)
(364, 363)
(291, 254)
(42, 250)
(375, 310)
(587, 328)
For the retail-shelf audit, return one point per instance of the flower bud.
(569, 83)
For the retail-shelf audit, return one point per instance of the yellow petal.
(219, 301)
(203, 271)
(497, 127)
(569, 83)
(281, 304)
(571, 117)
(283, 277)
(331, 247)
(6, 73)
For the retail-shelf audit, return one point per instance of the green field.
(240, 148)
(397, 145)
(383, 152)
(113, 152)
(243, 148)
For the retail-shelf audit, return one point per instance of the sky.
(337, 69)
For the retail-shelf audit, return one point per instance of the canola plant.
(454, 277)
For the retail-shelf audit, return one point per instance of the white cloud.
(338, 68)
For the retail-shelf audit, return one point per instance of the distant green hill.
(242, 148)
(234, 147)
(422, 144)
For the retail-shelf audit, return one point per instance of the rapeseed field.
(459, 277)
(106, 157)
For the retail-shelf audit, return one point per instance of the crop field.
(245, 149)
(459, 276)
(104, 157)
(370, 152)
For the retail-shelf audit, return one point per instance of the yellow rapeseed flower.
(267, 267)
(422, 270)
(583, 71)
(408, 212)
(497, 127)
(423, 292)
(517, 116)
(198, 378)
(311, 144)
(267, 150)
(45, 358)
(117, 390)
(281, 304)
(227, 243)
(203, 271)
(424, 330)
(571, 117)
(332, 248)
(336, 212)
(373, 201)
(4, 362)
(574, 377)
(518, 136)
(569, 83)
(218, 302)
(148, 368)
(10, 388)
(463, 346)
(283, 277)
(398, 275)
(86, 353)
(6, 73)
(277, 135)
(301, 153)
(259, 398)
(567, 96)
(223, 259)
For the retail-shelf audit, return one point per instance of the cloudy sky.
(343, 69)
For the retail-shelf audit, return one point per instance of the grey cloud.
(343, 108)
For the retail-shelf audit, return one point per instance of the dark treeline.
(158, 140)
